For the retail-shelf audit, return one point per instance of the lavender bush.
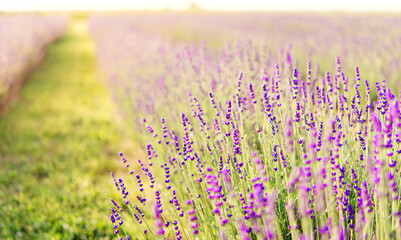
(266, 148)
(23, 41)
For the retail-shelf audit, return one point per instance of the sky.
(227, 5)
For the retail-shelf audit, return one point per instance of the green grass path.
(57, 145)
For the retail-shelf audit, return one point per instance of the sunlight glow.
(220, 5)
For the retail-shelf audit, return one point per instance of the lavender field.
(200, 125)
(255, 126)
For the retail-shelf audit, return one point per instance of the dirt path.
(58, 142)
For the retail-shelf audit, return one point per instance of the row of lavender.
(264, 148)
(23, 41)
(361, 39)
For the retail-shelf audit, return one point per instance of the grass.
(58, 142)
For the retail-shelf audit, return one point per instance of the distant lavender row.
(246, 144)
(369, 40)
(139, 52)
(23, 41)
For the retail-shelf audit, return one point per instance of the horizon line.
(197, 10)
